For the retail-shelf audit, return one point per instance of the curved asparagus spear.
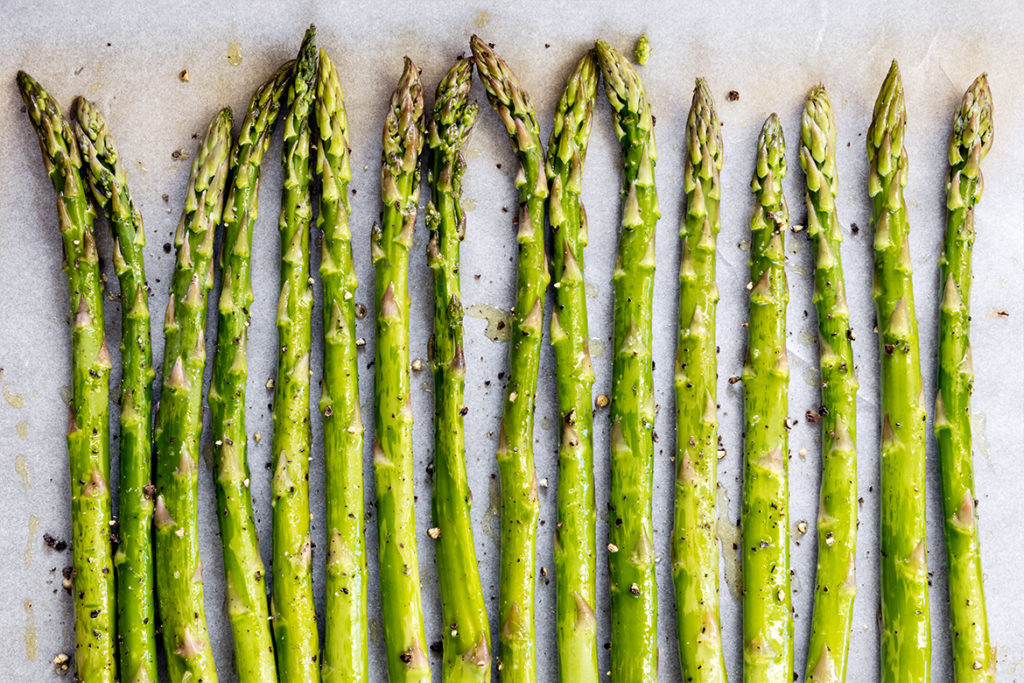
(631, 527)
(973, 659)
(835, 582)
(346, 653)
(179, 420)
(694, 544)
(88, 424)
(133, 561)
(906, 632)
(243, 565)
(575, 542)
(295, 632)
(767, 620)
(520, 507)
(404, 636)
(466, 634)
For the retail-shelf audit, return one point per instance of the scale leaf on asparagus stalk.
(634, 599)
(346, 651)
(466, 634)
(179, 421)
(906, 631)
(133, 561)
(402, 606)
(520, 506)
(88, 424)
(695, 565)
(575, 542)
(244, 571)
(296, 639)
(767, 619)
(973, 657)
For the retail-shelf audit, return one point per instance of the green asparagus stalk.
(973, 659)
(906, 632)
(243, 565)
(346, 658)
(835, 583)
(133, 561)
(404, 635)
(575, 541)
(694, 544)
(179, 420)
(466, 634)
(631, 529)
(294, 619)
(520, 506)
(767, 619)
(88, 429)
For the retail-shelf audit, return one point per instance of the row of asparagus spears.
(277, 639)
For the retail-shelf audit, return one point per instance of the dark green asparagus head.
(887, 155)
(771, 164)
(626, 94)
(208, 175)
(507, 96)
(454, 115)
(56, 137)
(969, 143)
(105, 172)
(402, 140)
(575, 115)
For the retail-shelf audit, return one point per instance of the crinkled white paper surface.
(127, 57)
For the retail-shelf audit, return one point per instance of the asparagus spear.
(295, 630)
(906, 632)
(243, 564)
(835, 583)
(346, 657)
(520, 507)
(694, 544)
(405, 639)
(466, 634)
(631, 530)
(575, 542)
(973, 659)
(767, 620)
(133, 561)
(88, 429)
(179, 420)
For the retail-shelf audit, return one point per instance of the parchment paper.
(128, 58)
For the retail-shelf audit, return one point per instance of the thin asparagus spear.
(973, 658)
(835, 580)
(346, 652)
(466, 633)
(294, 619)
(404, 635)
(88, 425)
(694, 543)
(133, 561)
(906, 631)
(243, 565)
(767, 619)
(179, 421)
(575, 542)
(631, 526)
(520, 507)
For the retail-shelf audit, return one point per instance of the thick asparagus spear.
(294, 620)
(346, 653)
(631, 526)
(466, 634)
(243, 565)
(694, 544)
(179, 420)
(835, 583)
(133, 561)
(405, 639)
(906, 632)
(575, 542)
(973, 659)
(88, 428)
(767, 620)
(837, 517)
(520, 507)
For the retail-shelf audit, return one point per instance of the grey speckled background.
(128, 59)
